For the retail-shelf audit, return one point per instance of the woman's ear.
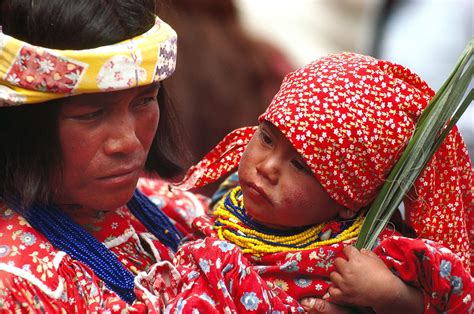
(346, 213)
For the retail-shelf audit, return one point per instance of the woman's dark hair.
(168, 155)
(78, 24)
(30, 150)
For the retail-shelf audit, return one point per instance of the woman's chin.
(109, 201)
(116, 202)
(120, 196)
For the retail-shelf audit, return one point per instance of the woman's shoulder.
(20, 244)
(36, 276)
(26, 255)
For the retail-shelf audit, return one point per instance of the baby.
(306, 175)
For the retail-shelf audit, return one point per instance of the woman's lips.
(121, 177)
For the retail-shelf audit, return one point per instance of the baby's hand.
(362, 279)
(317, 305)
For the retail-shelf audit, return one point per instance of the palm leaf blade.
(433, 126)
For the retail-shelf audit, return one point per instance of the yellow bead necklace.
(232, 224)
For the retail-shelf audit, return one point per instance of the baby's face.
(279, 189)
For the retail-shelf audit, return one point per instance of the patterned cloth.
(32, 74)
(34, 276)
(350, 117)
(214, 277)
(210, 266)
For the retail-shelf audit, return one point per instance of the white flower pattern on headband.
(37, 69)
(32, 74)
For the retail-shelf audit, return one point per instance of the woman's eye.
(145, 101)
(89, 116)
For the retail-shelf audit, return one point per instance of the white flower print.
(13, 79)
(45, 66)
(74, 76)
(205, 265)
(250, 301)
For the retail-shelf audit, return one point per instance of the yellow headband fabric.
(32, 74)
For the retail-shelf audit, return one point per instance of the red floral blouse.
(36, 277)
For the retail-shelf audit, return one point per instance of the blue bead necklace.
(70, 237)
(155, 220)
(241, 213)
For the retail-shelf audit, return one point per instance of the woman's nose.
(123, 138)
(269, 168)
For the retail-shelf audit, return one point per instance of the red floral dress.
(36, 277)
(215, 274)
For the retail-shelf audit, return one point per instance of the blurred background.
(233, 54)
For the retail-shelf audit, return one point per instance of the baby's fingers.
(315, 305)
(334, 294)
(336, 278)
(351, 252)
(340, 264)
(368, 253)
(336, 291)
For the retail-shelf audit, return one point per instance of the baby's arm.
(364, 280)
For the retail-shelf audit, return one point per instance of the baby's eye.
(266, 138)
(300, 165)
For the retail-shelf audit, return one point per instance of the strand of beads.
(229, 220)
(234, 204)
(68, 236)
(232, 224)
(155, 220)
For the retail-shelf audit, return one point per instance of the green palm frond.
(438, 118)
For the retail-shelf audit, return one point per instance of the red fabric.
(221, 160)
(446, 284)
(357, 113)
(217, 278)
(216, 275)
(350, 117)
(34, 69)
(36, 277)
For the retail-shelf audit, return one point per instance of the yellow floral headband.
(32, 74)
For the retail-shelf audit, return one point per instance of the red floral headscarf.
(350, 117)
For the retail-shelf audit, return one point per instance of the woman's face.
(105, 139)
(279, 189)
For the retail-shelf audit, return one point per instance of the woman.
(83, 113)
